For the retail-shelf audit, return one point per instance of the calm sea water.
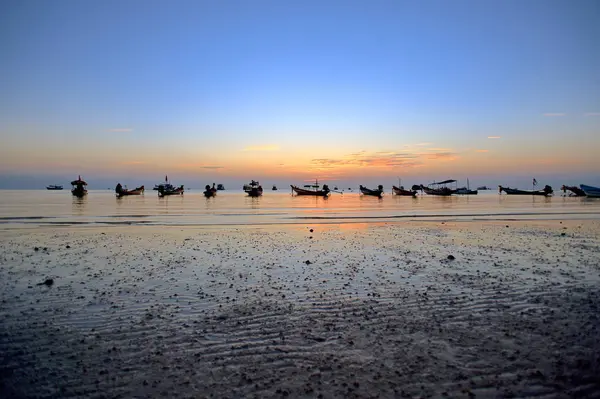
(30, 208)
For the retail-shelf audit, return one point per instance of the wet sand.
(345, 311)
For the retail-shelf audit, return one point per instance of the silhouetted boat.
(513, 191)
(166, 186)
(375, 193)
(274, 188)
(220, 187)
(312, 190)
(166, 190)
(121, 192)
(54, 187)
(210, 191)
(483, 188)
(439, 188)
(575, 191)
(254, 189)
(403, 192)
(78, 188)
(590, 191)
(465, 190)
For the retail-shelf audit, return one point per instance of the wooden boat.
(163, 192)
(590, 191)
(121, 192)
(374, 193)
(220, 187)
(439, 188)
(483, 188)
(78, 188)
(54, 187)
(465, 190)
(575, 191)
(253, 189)
(312, 189)
(210, 191)
(166, 186)
(513, 191)
(274, 188)
(403, 192)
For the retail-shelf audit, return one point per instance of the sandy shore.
(344, 311)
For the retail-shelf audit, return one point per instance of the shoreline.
(347, 310)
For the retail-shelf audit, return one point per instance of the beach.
(431, 308)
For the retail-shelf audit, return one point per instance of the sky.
(355, 92)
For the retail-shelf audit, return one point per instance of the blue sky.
(89, 85)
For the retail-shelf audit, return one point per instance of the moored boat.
(465, 190)
(166, 186)
(274, 188)
(54, 187)
(220, 187)
(312, 189)
(575, 191)
(78, 188)
(374, 193)
(403, 192)
(483, 188)
(590, 191)
(439, 189)
(253, 189)
(513, 191)
(163, 192)
(210, 191)
(121, 192)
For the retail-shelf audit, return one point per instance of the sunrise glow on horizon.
(291, 91)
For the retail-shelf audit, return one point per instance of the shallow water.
(29, 208)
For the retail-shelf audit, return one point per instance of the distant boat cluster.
(254, 189)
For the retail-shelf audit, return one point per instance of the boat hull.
(465, 191)
(514, 191)
(402, 192)
(442, 192)
(79, 192)
(317, 193)
(590, 191)
(373, 193)
(54, 188)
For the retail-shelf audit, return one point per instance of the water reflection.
(79, 204)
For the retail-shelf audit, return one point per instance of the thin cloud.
(482, 150)
(494, 137)
(200, 166)
(552, 114)
(267, 147)
(121, 130)
(592, 114)
(423, 144)
(134, 163)
(443, 156)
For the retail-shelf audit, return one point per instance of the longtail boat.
(210, 191)
(253, 189)
(575, 191)
(590, 191)
(465, 190)
(312, 189)
(513, 191)
(121, 192)
(78, 189)
(374, 193)
(403, 192)
(164, 186)
(163, 192)
(439, 188)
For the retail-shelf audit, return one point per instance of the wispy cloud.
(443, 156)
(482, 150)
(121, 130)
(551, 114)
(134, 163)
(494, 137)
(266, 147)
(592, 114)
(200, 166)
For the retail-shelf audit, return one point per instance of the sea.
(33, 208)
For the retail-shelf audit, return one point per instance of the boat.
(210, 191)
(253, 189)
(403, 192)
(465, 190)
(312, 189)
(166, 186)
(220, 187)
(121, 192)
(164, 191)
(374, 193)
(590, 191)
(54, 187)
(439, 188)
(513, 191)
(483, 188)
(575, 191)
(78, 188)
(274, 188)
